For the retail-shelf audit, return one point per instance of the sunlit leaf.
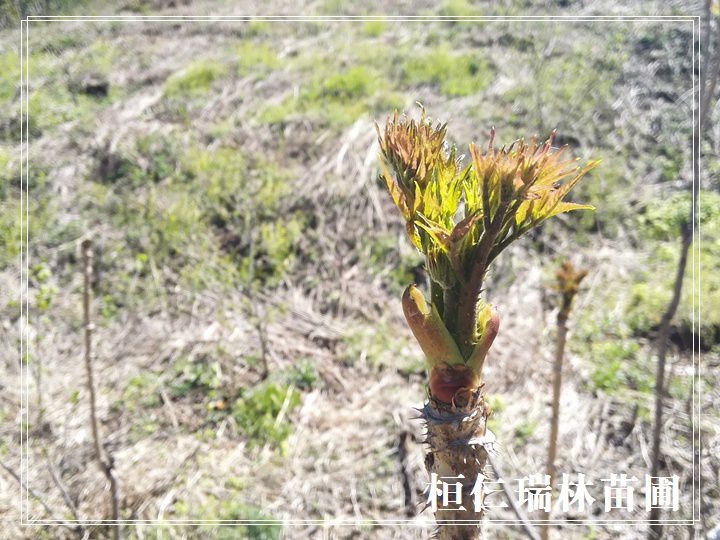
(567, 207)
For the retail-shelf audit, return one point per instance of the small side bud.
(429, 330)
(489, 332)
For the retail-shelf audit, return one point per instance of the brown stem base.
(459, 443)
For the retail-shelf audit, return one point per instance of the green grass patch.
(257, 28)
(216, 217)
(163, 227)
(455, 74)
(45, 217)
(379, 345)
(195, 80)
(567, 89)
(9, 75)
(256, 59)
(192, 375)
(280, 113)
(458, 8)
(334, 99)
(100, 57)
(261, 413)
(243, 203)
(152, 159)
(54, 104)
(228, 509)
(384, 256)
(608, 189)
(619, 365)
(54, 98)
(497, 405)
(303, 375)
(351, 84)
(141, 392)
(524, 431)
(374, 28)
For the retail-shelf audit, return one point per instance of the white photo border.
(24, 362)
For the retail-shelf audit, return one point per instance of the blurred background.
(250, 354)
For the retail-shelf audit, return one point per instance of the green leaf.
(563, 207)
(418, 198)
(396, 193)
(436, 232)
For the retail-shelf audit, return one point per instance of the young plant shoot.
(461, 218)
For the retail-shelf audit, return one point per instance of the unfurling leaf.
(421, 175)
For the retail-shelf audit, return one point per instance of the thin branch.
(510, 496)
(708, 84)
(655, 531)
(74, 528)
(104, 459)
(568, 284)
(557, 385)
(61, 487)
(410, 502)
(555, 418)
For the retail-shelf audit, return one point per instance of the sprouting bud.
(568, 283)
(461, 218)
(429, 329)
(488, 326)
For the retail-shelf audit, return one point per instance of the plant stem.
(708, 82)
(105, 461)
(467, 306)
(655, 531)
(437, 297)
(467, 319)
(557, 384)
(555, 418)
(457, 437)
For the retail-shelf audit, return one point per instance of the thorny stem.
(467, 309)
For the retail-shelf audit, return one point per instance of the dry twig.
(104, 458)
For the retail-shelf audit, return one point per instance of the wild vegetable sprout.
(461, 218)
